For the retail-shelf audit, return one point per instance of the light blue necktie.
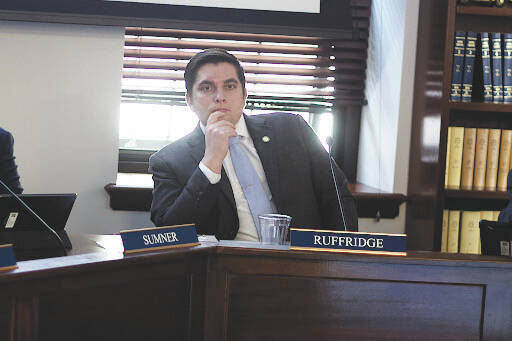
(254, 193)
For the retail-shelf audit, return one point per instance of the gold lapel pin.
(265, 139)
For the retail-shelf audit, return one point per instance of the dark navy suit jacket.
(296, 167)
(8, 169)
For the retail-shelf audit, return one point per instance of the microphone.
(34, 214)
(329, 140)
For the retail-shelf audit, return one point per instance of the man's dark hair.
(213, 56)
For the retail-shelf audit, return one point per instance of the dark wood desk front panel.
(218, 293)
(105, 296)
(282, 295)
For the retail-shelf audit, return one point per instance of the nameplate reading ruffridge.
(159, 238)
(349, 242)
(7, 258)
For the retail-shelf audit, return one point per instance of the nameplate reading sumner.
(7, 258)
(159, 238)
(350, 242)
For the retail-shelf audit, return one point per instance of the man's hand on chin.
(217, 133)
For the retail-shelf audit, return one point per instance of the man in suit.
(8, 169)
(197, 179)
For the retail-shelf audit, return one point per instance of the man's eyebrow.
(231, 80)
(205, 82)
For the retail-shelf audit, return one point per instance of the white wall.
(60, 95)
(386, 120)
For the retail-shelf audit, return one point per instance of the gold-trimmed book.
(482, 140)
(468, 158)
(444, 231)
(504, 164)
(453, 231)
(469, 232)
(493, 154)
(455, 164)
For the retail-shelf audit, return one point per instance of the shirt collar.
(241, 127)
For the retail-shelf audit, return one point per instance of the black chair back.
(496, 238)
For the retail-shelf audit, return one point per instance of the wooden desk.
(105, 296)
(216, 293)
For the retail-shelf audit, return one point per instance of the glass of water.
(274, 228)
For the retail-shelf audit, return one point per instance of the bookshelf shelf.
(484, 107)
(483, 19)
(481, 195)
(485, 11)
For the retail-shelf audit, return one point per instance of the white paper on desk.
(207, 238)
(111, 242)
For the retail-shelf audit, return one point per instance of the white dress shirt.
(247, 230)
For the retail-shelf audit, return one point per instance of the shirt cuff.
(210, 175)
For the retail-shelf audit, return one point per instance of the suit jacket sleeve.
(181, 198)
(8, 169)
(324, 185)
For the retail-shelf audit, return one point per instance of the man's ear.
(245, 94)
(188, 99)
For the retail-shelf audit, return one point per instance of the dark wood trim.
(478, 195)
(484, 107)
(475, 200)
(424, 197)
(371, 203)
(129, 198)
(485, 11)
(374, 203)
(346, 126)
(483, 19)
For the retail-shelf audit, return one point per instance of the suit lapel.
(265, 142)
(197, 146)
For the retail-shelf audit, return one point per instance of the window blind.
(310, 74)
(283, 73)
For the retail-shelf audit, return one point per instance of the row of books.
(478, 159)
(460, 232)
(497, 70)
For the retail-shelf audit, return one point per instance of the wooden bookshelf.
(438, 22)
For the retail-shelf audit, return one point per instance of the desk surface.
(89, 249)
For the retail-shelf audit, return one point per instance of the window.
(320, 78)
